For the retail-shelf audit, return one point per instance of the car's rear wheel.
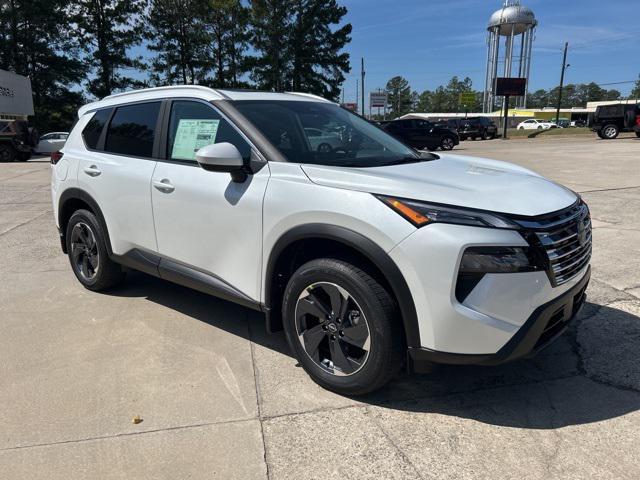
(485, 135)
(609, 132)
(7, 153)
(447, 143)
(342, 326)
(638, 134)
(87, 250)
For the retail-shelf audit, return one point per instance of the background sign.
(15, 94)
(350, 106)
(378, 99)
(511, 86)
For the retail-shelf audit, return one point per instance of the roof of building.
(195, 91)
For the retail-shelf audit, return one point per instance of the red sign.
(350, 106)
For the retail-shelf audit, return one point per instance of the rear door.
(203, 219)
(116, 171)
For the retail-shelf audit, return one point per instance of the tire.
(325, 148)
(86, 239)
(374, 352)
(485, 135)
(7, 153)
(520, 128)
(539, 128)
(610, 131)
(447, 143)
(599, 133)
(638, 134)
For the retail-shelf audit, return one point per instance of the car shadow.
(551, 390)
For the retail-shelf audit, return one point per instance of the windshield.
(323, 134)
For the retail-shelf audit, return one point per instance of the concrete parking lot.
(219, 398)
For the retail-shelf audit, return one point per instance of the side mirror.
(222, 157)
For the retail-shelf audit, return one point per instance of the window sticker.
(191, 136)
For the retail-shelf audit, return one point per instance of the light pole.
(564, 67)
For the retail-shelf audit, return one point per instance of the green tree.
(176, 35)
(227, 32)
(298, 45)
(107, 30)
(35, 43)
(316, 43)
(635, 93)
(399, 96)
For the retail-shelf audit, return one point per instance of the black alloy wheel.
(332, 329)
(84, 251)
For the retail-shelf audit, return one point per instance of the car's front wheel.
(87, 250)
(448, 143)
(343, 326)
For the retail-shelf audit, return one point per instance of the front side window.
(132, 130)
(93, 129)
(346, 139)
(193, 125)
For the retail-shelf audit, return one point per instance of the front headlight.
(421, 214)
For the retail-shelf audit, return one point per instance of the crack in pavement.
(48, 212)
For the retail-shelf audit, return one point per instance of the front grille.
(565, 237)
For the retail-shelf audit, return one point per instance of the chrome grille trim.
(565, 238)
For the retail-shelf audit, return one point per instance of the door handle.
(92, 171)
(164, 185)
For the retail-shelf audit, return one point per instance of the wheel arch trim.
(363, 245)
(78, 194)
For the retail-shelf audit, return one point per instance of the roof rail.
(169, 87)
(310, 95)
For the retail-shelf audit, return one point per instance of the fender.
(364, 246)
(78, 194)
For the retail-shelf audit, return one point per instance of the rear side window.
(193, 125)
(93, 129)
(132, 130)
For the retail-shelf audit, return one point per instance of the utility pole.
(362, 76)
(357, 94)
(564, 66)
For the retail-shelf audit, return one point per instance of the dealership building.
(16, 101)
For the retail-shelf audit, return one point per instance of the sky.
(428, 42)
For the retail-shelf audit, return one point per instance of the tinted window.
(91, 132)
(132, 129)
(347, 139)
(193, 125)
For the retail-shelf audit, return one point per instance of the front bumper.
(543, 326)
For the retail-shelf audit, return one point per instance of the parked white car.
(535, 124)
(51, 142)
(322, 141)
(371, 256)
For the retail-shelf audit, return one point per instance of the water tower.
(516, 25)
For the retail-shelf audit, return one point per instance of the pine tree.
(318, 62)
(177, 35)
(35, 43)
(399, 96)
(227, 36)
(299, 45)
(108, 29)
(271, 22)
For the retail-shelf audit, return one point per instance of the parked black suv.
(422, 134)
(16, 140)
(609, 120)
(477, 127)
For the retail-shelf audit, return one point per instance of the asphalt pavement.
(219, 398)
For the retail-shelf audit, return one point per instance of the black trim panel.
(363, 245)
(184, 275)
(527, 341)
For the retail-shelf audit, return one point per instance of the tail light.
(637, 119)
(56, 157)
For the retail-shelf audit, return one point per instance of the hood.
(453, 180)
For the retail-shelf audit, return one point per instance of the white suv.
(369, 254)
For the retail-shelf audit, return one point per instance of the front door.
(203, 219)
